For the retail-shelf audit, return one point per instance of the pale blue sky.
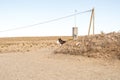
(19, 13)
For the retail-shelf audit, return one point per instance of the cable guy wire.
(44, 22)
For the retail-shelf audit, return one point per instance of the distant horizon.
(54, 35)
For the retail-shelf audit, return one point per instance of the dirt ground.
(44, 65)
(20, 61)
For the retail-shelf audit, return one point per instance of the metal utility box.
(75, 33)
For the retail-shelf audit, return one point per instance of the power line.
(44, 22)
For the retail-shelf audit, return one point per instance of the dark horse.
(60, 41)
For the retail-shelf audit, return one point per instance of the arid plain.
(33, 58)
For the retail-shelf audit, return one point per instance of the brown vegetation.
(97, 46)
(22, 44)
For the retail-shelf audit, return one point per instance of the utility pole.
(92, 19)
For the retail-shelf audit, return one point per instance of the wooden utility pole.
(92, 18)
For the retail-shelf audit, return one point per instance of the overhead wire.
(44, 22)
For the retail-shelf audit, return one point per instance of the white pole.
(75, 17)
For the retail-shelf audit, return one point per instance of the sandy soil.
(44, 65)
(34, 59)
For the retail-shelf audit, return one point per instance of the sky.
(22, 13)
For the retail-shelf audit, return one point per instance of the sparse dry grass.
(97, 46)
(26, 44)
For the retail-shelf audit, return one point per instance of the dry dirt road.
(44, 65)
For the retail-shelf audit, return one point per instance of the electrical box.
(75, 33)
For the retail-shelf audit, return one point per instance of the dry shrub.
(97, 46)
